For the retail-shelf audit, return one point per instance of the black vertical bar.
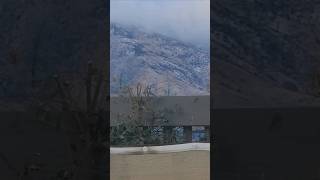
(107, 160)
(212, 127)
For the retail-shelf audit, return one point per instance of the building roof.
(178, 110)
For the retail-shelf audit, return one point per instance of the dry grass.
(190, 165)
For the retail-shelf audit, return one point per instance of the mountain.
(169, 66)
(61, 41)
(265, 53)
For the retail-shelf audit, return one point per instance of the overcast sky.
(187, 20)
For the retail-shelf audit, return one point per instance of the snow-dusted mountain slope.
(170, 66)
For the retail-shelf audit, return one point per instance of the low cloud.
(187, 20)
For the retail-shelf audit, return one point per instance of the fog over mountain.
(186, 20)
